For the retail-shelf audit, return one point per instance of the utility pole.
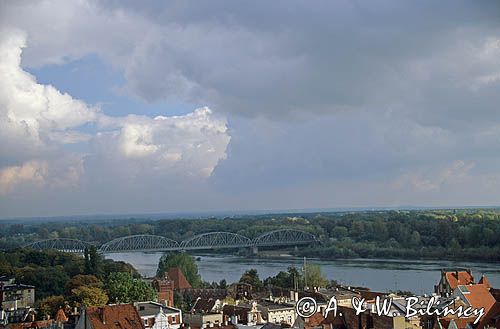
(305, 274)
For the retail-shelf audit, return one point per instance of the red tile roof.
(61, 316)
(479, 296)
(180, 282)
(457, 278)
(35, 324)
(123, 316)
(317, 320)
(484, 281)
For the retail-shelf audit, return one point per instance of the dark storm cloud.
(281, 57)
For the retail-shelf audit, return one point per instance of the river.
(418, 276)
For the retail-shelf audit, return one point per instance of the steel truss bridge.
(205, 241)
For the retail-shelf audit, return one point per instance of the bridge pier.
(255, 250)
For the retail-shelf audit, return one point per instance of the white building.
(158, 316)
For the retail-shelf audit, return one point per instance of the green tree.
(83, 280)
(93, 261)
(49, 281)
(122, 287)
(313, 276)
(340, 232)
(89, 296)
(251, 277)
(50, 305)
(185, 262)
(288, 280)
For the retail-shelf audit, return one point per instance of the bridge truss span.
(205, 241)
(143, 242)
(61, 244)
(216, 240)
(284, 237)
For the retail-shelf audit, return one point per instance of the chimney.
(103, 317)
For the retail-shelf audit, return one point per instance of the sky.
(184, 106)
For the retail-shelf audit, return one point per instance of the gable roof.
(152, 308)
(180, 282)
(204, 305)
(455, 323)
(61, 316)
(318, 320)
(477, 295)
(123, 316)
(484, 281)
(457, 278)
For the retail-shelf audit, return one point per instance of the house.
(210, 305)
(14, 296)
(122, 316)
(205, 320)
(343, 295)
(247, 314)
(180, 282)
(320, 298)
(394, 319)
(20, 315)
(205, 293)
(173, 280)
(158, 316)
(165, 290)
(214, 326)
(277, 313)
(476, 296)
(318, 321)
(42, 324)
(451, 280)
(242, 291)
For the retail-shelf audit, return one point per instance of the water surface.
(378, 274)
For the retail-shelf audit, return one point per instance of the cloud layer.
(40, 127)
(333, 104)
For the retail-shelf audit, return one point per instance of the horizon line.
(206, 214)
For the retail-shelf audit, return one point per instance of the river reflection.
(377, 274)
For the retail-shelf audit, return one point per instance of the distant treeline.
(443, 234)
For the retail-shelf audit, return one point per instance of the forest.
(471, 234)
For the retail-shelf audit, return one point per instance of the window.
(141, 308)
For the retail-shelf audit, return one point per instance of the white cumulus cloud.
(38, 124)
